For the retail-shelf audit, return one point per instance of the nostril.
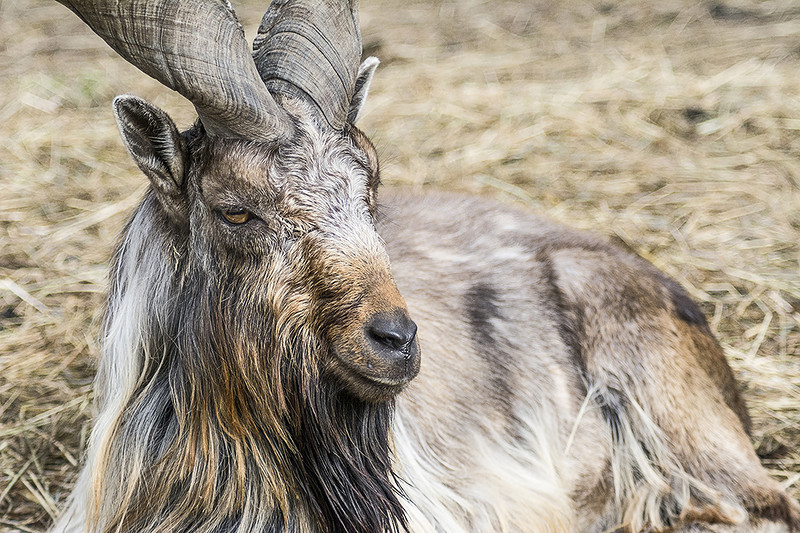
(394, 332)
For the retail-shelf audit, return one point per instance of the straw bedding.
(671, 127)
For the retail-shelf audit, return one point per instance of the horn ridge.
(197, 48)
(311, 50)
(322, 71)
(323, 44)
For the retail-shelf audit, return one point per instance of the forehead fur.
(312, 157)
(319, 173)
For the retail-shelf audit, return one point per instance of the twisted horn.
(311, 49)
(197, 48)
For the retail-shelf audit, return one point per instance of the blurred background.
(670, 127)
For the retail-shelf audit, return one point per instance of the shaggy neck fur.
(215, 415)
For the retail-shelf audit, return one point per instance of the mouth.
(364, 380)
(398, 382)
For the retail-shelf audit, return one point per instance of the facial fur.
(272, 269)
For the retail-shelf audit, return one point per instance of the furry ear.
(364, 78)
(154, 143)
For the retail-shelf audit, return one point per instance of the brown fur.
(566, 385)
(620, 325)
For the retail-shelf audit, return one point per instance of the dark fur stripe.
(481, 302)
(569, 318)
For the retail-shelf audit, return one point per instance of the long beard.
(234, 427)
(344, 460)
(331, 451)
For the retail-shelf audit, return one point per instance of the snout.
(393, 333)
(393, 339)
(379, 357)
(374, 351)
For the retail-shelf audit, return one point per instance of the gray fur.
(565, 385)
(245, 386)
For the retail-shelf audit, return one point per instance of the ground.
(671, 127)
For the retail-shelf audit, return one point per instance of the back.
(558, 374)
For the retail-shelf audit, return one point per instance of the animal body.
(284, 353)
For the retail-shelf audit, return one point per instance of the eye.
(236, 215)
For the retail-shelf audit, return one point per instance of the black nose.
(393, 331)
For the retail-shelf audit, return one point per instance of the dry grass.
(672, 126)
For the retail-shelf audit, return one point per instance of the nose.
(393, 333)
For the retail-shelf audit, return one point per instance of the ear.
(154, 143)
(364, 78)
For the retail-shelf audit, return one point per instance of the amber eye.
(236, 215)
